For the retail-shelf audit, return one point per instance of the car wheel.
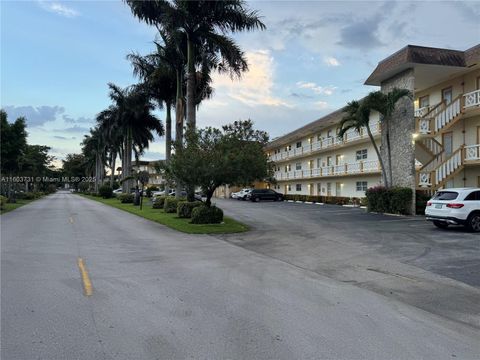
(473, 222)
(440, 224)
(280, 198)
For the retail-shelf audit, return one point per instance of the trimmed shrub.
(336, 200)
(170, 204)
(126, 198)
(3, 201)
(51, 189)
(421, 199)
(207, 215)
(150, 189)
(105, 192)
(396, 200)
(184, 208)
(38, 194)
(159, 202)
(27, 196)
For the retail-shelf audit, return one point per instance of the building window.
(362, 186)
(424, 101)
(298, 166)
(329, 161)
(329, 133)
(319, 188)
(289, 187)
(319, 137)
(298, 187)
(362, 154)
(299, 144)
(319, 163)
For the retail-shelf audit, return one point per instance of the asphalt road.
(405, 258)
(159, 294)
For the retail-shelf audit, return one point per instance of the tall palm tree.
(160, 82)
(93, 148)
(357, 116)
(204, 25)
(386, 105)
(136, 122)
(112, 136)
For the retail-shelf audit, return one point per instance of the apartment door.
(447, 95)
(311, 187)
(319, 189)
(338, 189)
(329, 189)
(448, 144)
(338, 160)
(286, 190)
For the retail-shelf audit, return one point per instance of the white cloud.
(254, 88)
(331, 61)
(319, 90)
(58, 8)
(321, 105)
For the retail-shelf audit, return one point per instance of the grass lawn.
(172, 221)
(9, 207)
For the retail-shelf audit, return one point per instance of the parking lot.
(405, 258)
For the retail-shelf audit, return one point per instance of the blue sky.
(58, 56)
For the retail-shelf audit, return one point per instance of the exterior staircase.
(440, 117)
(440, 169)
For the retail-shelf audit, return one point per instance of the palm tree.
(357, 116)
(204, 24)
(112, 136)
(135, 121)
(93, 148)
(160, 82)
(386, 105)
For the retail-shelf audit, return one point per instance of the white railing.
(326, 143)
(472, 152)
(429, 177)
(472, 98)
(421, 112)
(439, 117)
(432, 145)
(447, 115)
(332, 170)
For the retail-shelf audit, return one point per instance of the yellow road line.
(87, 285)
(70, 219)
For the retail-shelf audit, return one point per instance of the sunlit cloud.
(319, 90)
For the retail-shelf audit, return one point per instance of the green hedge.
(3, 201)
(170, 205)
(126, 198)
(159, 202)
(421, 199)
(207, 215)
(336, 200)
(397, 200)
(184, 208)
(105, 192)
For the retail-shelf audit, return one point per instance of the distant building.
(156, 178)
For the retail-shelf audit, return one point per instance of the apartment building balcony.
(351, 136)
(441, 169)
(431, 120)
(356, 168)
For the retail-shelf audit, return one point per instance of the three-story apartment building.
(435, 136)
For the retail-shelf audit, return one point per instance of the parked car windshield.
(445, 195)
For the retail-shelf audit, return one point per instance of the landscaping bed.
(172, 220)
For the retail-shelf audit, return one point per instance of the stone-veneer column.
(402, 127)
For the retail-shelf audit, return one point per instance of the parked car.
(161, 192)
(241, 195)
(264, 194)
(456, 206)
(117, 191)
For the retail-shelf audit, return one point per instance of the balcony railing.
(359, 167)
(431, 120)
(435, 177)
(472, 99)
(326, 143)
(472, 152)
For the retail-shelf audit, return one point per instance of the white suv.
(455, 207)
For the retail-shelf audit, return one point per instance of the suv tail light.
(429, 203)
(455, 206)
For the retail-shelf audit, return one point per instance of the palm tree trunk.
(179, 115)
(384, 173)
(96, 175)
(113, 159)
(389, 153)
(168, 139)
(128, 164)
(191, 116)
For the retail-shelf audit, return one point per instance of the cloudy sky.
(58, 56)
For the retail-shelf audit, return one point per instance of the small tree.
(213, 157)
